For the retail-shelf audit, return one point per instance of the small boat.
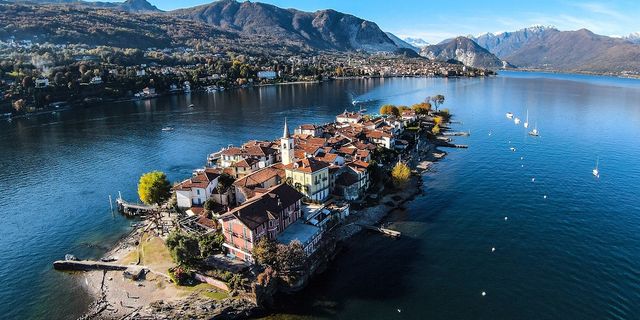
(516, 120)
(510, 115)
(192, 106)
(168, 129)
(512, 149)
(526, 121)
(534, 132)
(595, 171)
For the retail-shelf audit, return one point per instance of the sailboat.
(516, 120)
(526, 122)
(595, 171)
(535, 131)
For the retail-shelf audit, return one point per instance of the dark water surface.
(573, 255)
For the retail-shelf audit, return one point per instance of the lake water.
(573, 255)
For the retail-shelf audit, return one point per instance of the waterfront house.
(197, 189)
(265, 215)
(349, 117)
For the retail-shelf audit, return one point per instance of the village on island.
(263, 217)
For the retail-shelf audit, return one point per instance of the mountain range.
(464, 50)
(259, 27)
(323, 29)
(548, 48)
(138, 6)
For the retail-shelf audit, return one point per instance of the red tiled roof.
(257, 210)
(259, 177)
(307, 165)
(200, 180)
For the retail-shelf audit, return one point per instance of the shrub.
(181, 276)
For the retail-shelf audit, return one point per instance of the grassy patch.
(155, 254)
(204, 289)
(130, 258)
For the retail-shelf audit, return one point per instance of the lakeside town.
(264, 217)
(40, 78)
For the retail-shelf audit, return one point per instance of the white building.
(197, 189)
(287, 150)
(349, 117)
(267, 75)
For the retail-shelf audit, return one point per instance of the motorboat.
(510, 115)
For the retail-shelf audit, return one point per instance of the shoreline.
(115, 297)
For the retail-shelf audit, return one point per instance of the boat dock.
(386, 231)
(86, 265)
(459, 133)
(134, 209)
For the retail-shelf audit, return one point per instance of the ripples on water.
(574, 255)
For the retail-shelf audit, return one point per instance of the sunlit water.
(573, 255)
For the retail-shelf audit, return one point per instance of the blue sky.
(438, 20)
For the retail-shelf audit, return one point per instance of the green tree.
(390, 110)
(400, 173)
(290, 257)
(224, 182)
(210, 243)
(154, 188)
(264, 252)
(437, 100)
(184, 249)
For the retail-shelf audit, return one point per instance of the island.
(264, 217)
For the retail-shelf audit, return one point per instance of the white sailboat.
(526, 121)
(516, 120)
(535, 131)
(595, 171)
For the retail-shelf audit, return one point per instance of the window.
(198, 191)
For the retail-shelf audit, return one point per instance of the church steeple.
(286, 145)
(286, 134)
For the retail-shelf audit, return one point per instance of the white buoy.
(545, 196)
(522, 165)
(506, 218)
(493, 249)
(484, 293)
(521, 158)
(533, 179)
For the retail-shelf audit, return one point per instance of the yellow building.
(310, 177)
